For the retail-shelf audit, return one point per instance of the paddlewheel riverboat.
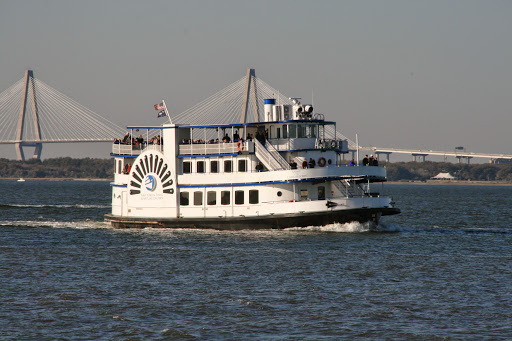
(285, 169)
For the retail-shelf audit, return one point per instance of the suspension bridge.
(33, 113)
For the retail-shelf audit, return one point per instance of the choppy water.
(445, 273)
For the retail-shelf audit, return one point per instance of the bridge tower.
(29, 92)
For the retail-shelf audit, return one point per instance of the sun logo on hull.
(147, 172)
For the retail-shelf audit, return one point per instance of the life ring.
(240, 146)
(322, 162)
(304, 164)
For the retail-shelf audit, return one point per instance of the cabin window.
(119, 166)
(253, 197)
(242, 165)
(321, 192)
(278, 133)
(239, 197)
(303, 194)
(292, 130)
(214, 166)
(200, 166)
(312, 131)
(198, 198)
(301, 131)
(227, 166)
(187, 167)
(279, 193)
(285, 131)
(211, 198)
(225, 197)
(184, 198)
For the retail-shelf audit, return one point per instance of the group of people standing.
(370, 161)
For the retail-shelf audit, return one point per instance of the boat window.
(292, 130)
(214, 166)
(303, 194)
(321, 192)
(119, 167)
(200, 166)
(301, 131)
(227, 166)
(242, 165)
(285, 131)
(239, 197)
(253, 196)
(225, 197)
(312, 131)
(187, 167)
(198, 198)
(184, 198)
(211, 198)
(278, 133)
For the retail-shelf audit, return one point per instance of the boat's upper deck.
(283, 136)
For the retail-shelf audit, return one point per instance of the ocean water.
(442, 270)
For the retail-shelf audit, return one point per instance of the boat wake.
(86, 224)
(52, 206)
(352, 227)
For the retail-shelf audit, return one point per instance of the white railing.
(275, 154)
(268, 159)
(128, 149)
(208, 149)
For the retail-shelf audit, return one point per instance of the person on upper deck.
(236, 137)
(226, 138)
(260, 137)
(366, 160)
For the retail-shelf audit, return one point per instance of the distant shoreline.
(400, 182)
(59, 179)
(451, 182)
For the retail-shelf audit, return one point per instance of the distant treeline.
(425, 170)
(65, 167)
(104, 169)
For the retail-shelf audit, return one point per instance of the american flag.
(161, 113)
(159, 106)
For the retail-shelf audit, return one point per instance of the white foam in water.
(87, 224)
(336, 227)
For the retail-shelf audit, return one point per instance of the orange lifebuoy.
(305, 164)
(322, 162)
(240, 145)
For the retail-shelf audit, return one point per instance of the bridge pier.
(21, 155)
(385, 153)
(414, 155)
(459, 157)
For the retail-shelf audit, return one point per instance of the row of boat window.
(214, 166)
(196, 198)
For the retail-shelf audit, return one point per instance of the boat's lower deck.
(276, 221)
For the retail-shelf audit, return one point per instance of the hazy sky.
(403, 74)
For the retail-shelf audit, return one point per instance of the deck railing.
(130, 149)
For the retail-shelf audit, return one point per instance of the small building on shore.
(443, 176)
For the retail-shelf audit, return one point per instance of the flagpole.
(166, 112)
